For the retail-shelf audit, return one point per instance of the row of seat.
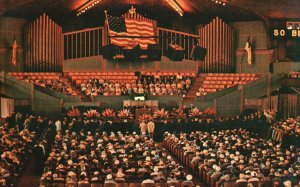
(121, 81)
(231, 78)
(123, 184)
(228, 83)
(70, 74)
(108, 77)
(186, 159)
(39, 77)
(32, 73)
(171, 74)
(131, 73)
(231, 75)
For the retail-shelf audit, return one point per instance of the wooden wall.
(218, 38)
(43, 45)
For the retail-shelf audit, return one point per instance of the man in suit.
(151, 127)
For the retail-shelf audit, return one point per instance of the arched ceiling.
(196, 11)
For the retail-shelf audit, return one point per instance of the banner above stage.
(131, 27)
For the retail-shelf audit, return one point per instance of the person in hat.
(188, 182)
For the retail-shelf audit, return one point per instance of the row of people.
(105, 87)
(16, 145)
(55, 84)
(294, 74)
(95, 158)
(236, 156)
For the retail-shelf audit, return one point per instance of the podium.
(132, 51)
(175, 53)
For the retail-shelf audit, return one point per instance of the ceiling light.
(221, 2)
(86, 6)
(176, 6)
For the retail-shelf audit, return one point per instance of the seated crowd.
(56, 84)
(290, 126)
(201, 92)
(16, 145)
(236, 157)
(84, 158)
(145, 85)
(294, 74)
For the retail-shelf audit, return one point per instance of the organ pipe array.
(218, 38)
(43, 45)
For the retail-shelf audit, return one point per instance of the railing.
(58, 95)
(185, 40)
(15, 88)
(217, 94)
(83, 43)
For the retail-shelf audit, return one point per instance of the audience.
(238, 155)
(145, 84)
(90, 158)
(56, 85)
(294, 74)
(16, 145)
(201, 92)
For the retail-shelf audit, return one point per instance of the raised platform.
(98, 64)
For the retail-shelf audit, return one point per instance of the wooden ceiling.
(200, 11)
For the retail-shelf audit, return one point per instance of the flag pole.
(106, 22)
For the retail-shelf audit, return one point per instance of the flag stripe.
(134, 27)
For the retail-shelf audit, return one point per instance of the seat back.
(148, 185)
(230, 184)
(175, 184)
(96, 185)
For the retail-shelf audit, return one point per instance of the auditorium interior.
(150, 93)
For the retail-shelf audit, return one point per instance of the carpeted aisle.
(30, 178)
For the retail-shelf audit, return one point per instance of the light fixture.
(86, 6)
(174, 4)
(220, 2)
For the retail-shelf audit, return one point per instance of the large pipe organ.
(218, 38)
(43, 45)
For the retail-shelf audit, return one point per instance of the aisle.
(30, 178)
(196, 181)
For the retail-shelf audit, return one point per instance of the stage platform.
(98, 64)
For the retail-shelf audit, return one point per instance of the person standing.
(58, 125)
(143, 127)
(151, 127)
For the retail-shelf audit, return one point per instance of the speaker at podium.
(175, 52)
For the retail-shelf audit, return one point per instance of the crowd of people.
(87, 158)
(145, 85)
(294, 74)
(286, 131)
(238, 156)
(87, 150)
(56, 85)
(290, 126)
(201, 92)
(17, 140)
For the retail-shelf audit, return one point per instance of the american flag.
(121, 26)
